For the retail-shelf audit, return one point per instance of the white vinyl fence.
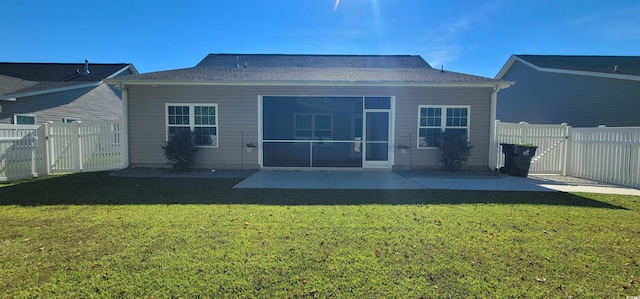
(29, 151)
(606, 154)
(21, 151)
(603, 154)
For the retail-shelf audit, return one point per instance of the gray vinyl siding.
(479, 101)
(580, 101)
(237, 115)
(86, 104)
(238, 120)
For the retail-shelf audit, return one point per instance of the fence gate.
(77, 147)
(551, 140)
(62, 147)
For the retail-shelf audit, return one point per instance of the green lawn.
(92, 235)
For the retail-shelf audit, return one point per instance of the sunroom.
(330, 132)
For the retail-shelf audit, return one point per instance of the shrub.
(455, 149)
(181, 151)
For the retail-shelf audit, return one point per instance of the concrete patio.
(390, 180)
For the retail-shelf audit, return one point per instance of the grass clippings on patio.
(93, 235)
(459, 174)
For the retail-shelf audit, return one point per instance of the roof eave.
(505, 67)
(515, 58)
(8, 97)
(128, 67)
(501, 84)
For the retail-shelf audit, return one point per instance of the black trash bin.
(517, 158)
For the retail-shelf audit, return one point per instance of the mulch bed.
(158, 172)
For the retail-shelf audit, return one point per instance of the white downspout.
(124, 160)
(493, 148)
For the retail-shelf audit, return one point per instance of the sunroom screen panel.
(323, 126)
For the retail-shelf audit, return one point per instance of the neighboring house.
(308, 111)
(35, 93)
(582, 91)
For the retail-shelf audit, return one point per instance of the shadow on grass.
(102, 189)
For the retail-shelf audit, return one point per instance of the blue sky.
(469, 36)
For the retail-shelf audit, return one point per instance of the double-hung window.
(313, 126)
(200, 119)
(432, 120)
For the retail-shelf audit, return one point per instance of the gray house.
(34, 93)
(308, 111)
(583, 91)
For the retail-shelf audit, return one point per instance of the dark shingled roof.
(9, 85)
(311, 74)
(18, 78)
(626, 65)
(327, 61)
(309, 69)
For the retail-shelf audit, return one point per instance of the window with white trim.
(432, 120)
(200, 119)
(24, 119)
(313, 126)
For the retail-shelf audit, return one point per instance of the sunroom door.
(377, 133)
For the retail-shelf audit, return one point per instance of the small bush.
(455, 149)
(181, 151)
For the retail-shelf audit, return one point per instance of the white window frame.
(15, 118)
(191, 125)
(313, 128)
(443, 123)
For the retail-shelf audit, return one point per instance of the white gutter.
(493, 146)
(501, 84)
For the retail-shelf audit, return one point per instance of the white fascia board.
(130, 66)
(45, 91)
(10, 99)
(567, 72)
(592, 74)
(505, 67)
(500, 84)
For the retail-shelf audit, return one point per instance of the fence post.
(123, 140)
(524, 132)
(76, 146)
(565, 156)
(33, 142)
(47, 147)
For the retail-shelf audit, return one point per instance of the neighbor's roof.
(21, 78)
(306, 69)
(318, 61)
(599, 65)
